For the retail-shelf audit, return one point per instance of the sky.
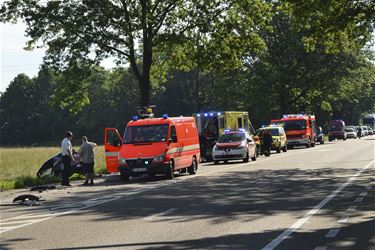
(14, 59)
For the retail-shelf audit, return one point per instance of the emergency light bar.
(165, 116)
(135, 118)
(209, 114)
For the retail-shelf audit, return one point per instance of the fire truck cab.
(299, 129)
(153, 146)
(212, 124)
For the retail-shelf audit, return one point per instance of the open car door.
(112, 145)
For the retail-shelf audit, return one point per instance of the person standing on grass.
(67, 157)
(86, 153)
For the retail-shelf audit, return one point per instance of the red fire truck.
(299, 128)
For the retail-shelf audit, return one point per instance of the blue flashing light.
(198, 115)
(211, 114)
(218, 113)
(205, 114)
(165, 116)
(135, 118)
(242, 130)
(227, 131)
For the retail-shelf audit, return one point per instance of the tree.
(341, 25)
(127, 30)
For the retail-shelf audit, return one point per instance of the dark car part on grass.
(54, 166)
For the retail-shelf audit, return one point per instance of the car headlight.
(160, 157)
(121, 161)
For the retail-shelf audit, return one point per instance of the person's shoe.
(67, 185)
(91, 183)
(85, 183)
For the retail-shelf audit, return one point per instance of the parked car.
(320, 135)
(234, 145)
(365, 130)
(336, 130)
(370, 131)
(350, 132)
(362, 132)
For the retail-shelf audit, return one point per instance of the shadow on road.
(238, 195)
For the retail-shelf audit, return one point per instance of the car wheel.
(194, 167)
(246, 158)
(170, 171)
(124, 177)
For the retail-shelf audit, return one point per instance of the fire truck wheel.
(124, 177)
(193, 167)
(308, 144)
(170, 171)
(151, 176)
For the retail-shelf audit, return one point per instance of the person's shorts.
(88, 167)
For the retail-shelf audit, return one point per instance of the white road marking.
(332, 233)
(154, 216)
(343, 219)
(320, 248)
(274, 243)
(359, 199)
(363, 194)
(3, 224)
(352, 208)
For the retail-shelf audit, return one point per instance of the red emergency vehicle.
(153, 146)
(299, 129)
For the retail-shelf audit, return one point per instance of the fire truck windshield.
(150, 133)
(294, 125)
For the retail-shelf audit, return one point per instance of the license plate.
(139, 169)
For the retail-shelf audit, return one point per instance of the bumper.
(351, 135)
(161, 168)
(293, 142)
(341, 136)
(233, 154)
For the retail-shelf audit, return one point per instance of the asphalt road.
(317, 198)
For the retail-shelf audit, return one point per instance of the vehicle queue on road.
(152, 146)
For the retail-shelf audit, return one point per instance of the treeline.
(284, 78)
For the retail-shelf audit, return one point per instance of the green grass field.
(18, 166)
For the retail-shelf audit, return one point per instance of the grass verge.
(18, 166)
